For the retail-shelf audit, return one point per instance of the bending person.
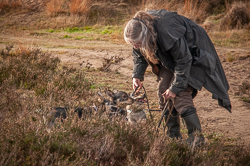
(184, 59)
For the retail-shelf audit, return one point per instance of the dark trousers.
(183, 101)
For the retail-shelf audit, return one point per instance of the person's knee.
(189, 111)
(173, 113)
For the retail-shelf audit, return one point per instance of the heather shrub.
(244, 91)
(35, 76)
(8, 5)
(27, 139)
(237, 17)
(26, 68)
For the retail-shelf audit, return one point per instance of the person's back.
(170, 27)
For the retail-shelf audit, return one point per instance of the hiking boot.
(173, 124)
(195, 137)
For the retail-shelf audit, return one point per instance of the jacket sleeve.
(183, 60)
(140, 65)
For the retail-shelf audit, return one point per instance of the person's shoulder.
(161, 13)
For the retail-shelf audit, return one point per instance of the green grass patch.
(75, 29)
(96, 30)
(63, 46)
(107, 30)
(81, 37)
(230, 58)
(234, 38)
(86, 38)
(245, 99)
(79, 29)
(51, 30)
(227, 42)
(1, 42)
(93, 87)
(65, 37)
(37, 33)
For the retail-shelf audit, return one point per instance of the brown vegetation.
(8, 5)
(55, 7)
(244, 91)
(80, 7)
(119, 11)
(32, 82)
(74, 7)
(237, 16)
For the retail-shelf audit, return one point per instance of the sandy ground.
(213, 117)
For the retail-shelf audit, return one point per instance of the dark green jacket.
(185, 48)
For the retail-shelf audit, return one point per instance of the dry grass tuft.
(8, 5)
(244, 91)
(237, 17)
(152, 5)
(91, 11)
(196, 10)
(208, 26)
(109, 12)
(245, 88)
(80, 7)
(55, 7)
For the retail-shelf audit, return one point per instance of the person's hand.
(137, 82)
(168, 94)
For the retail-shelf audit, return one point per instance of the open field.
(77, 52)
(82, 51)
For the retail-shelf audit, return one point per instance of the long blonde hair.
(141, 28)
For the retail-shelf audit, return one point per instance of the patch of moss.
(230, 58)
(80, 37)
(75, 29)
(65, 37)
(245, 99)
(51, 31)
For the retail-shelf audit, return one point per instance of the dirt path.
(213, 117)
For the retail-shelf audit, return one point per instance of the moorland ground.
(77, 53)
(87, 48)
